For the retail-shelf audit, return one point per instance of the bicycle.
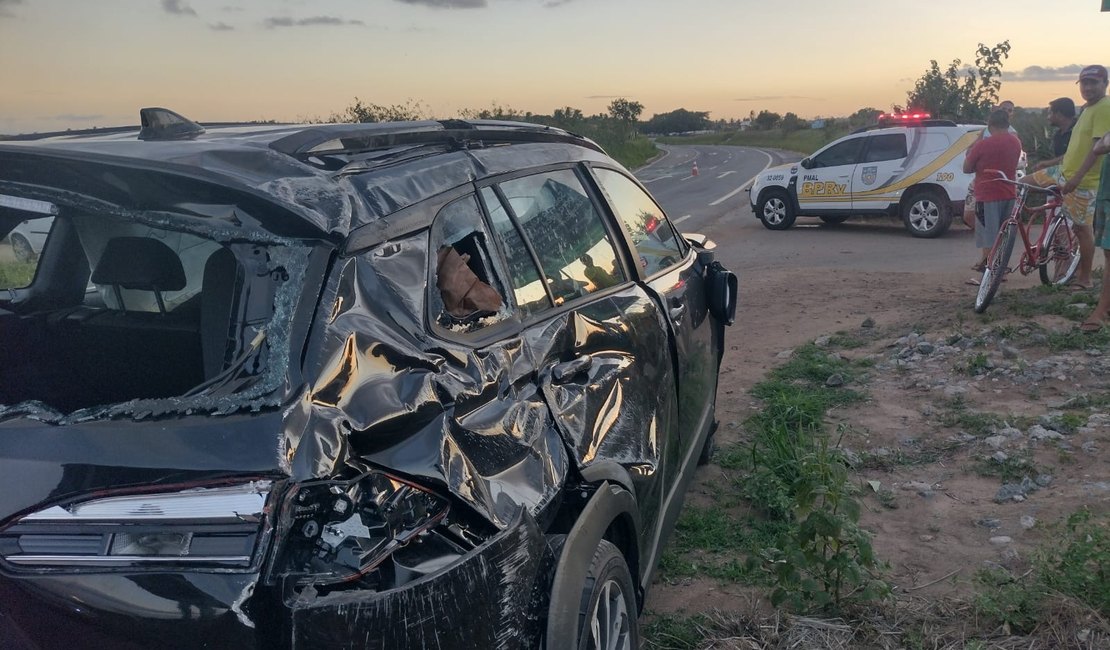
(1055, 253)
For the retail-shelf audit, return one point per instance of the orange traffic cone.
(695, 171)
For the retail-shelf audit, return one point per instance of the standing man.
(1076, 175)
(1097, 320)
(1061, 115)
(991, 158)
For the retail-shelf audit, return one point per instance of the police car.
(907, 165)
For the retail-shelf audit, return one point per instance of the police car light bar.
(905, 116)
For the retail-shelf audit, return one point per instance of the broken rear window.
(119, 317)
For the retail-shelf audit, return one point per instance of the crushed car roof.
(326, 179)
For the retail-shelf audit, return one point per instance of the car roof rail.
(350, 138)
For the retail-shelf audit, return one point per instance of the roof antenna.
(164, 124)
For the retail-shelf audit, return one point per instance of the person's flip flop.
(1090, 326)
(1075, 286)
(973, 282)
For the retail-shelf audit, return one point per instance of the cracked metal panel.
(469, 419)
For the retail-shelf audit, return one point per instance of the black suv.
(427, 384)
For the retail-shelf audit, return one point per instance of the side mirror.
(721, 287)
(806, 162)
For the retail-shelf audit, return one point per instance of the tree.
(766, 120)
(567, 117)
(494, 112)
(961, 94)
(678, 121)
(360, 112)
(791, 122)
(626, 111)
(864, 117)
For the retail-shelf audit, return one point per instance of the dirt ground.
(939, 521)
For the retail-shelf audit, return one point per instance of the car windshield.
(106, 316)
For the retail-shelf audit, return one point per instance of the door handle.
(677, 313)
(563, 372)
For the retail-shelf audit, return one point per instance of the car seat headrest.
(139, 263)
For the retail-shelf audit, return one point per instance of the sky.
(85, 63)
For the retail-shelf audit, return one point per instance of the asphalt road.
(714, 203)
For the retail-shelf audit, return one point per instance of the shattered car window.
(468, 294)
(128, 318)
(567, 233)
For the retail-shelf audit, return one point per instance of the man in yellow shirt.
(1077, 175)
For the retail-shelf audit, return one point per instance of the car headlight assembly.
(208, 528)
(372, 532)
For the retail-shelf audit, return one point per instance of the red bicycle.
(1055, 253)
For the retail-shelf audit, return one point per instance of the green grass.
(1073, 566)
(630, 153)
(805, 141)
(16, 275)
(674, 632)
(1012, 469)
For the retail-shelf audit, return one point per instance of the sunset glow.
(81, 64)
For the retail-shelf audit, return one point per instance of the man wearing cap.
(1076, 175)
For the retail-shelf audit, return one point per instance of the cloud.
(1045, 73)
(448, 4)
(280, 21)
(220, 27)
(4, 4)
(178, 8)
(771, 98)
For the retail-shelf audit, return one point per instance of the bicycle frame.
(1063, 247)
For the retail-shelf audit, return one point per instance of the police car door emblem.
(869, 174)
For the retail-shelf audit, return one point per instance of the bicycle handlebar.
(1051, 189)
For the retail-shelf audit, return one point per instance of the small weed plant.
(799, 476)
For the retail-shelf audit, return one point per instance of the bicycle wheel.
(1060, 256)
(997, 266)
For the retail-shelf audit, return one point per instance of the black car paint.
(374, 386)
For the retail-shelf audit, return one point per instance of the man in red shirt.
(997, 152)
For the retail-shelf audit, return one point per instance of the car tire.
(22, 249)
(775, 211)
(926, 213)
(834, 220)
(608, 616)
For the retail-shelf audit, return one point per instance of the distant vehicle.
(907, 165)
(28, 238)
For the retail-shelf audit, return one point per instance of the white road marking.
(731, 171)
(687, 178)
(657, 178)
(681, 219)
(749, 181)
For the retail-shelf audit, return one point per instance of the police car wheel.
(775, 211)
(925, 214)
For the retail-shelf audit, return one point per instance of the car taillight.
(335, 532)
(197, 528)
